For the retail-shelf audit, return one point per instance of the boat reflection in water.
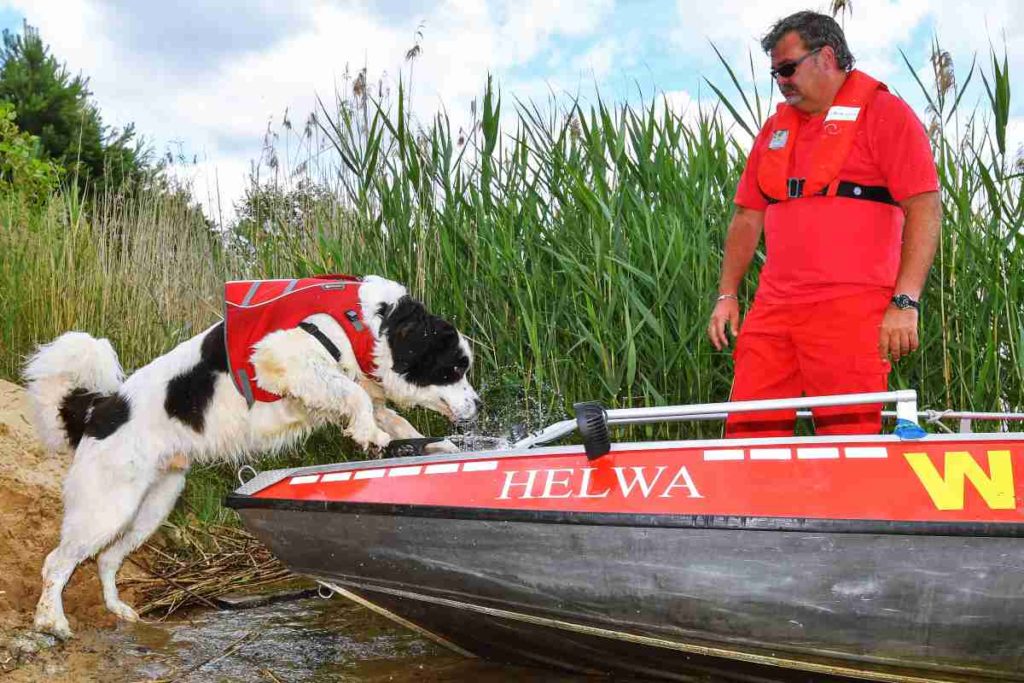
(886, 558)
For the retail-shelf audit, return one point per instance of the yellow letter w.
(947, 492)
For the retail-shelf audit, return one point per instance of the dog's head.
(423, 361)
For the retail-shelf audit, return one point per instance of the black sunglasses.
(789, 68)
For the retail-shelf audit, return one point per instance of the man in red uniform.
(842, 182)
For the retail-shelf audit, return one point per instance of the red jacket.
(255, 308)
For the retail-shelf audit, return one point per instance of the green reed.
(145, 272)
(577, 244)
(580, 245)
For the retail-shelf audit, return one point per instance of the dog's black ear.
(404, 324)
(424, 347)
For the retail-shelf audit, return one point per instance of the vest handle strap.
(323, 339)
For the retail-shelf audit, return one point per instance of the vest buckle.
(353, 319)
(795, 187)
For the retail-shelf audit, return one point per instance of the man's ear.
(829, 55)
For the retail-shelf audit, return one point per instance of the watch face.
(904, 301)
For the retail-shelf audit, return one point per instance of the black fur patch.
(87, 413)
(425, 348)
(190, 393)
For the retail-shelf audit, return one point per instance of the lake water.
(310, 639)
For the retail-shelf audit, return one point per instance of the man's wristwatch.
(903, 302)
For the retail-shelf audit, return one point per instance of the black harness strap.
(322, 338)
(871, 193)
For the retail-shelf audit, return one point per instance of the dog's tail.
(73, 366)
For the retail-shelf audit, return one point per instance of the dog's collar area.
(322, 338)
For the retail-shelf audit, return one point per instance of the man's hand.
(741, 242)
(726, 313)
(898, 334)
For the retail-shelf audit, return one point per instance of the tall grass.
(975, 352)
(144, 272)
(578, 245)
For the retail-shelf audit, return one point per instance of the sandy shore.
(30, 512)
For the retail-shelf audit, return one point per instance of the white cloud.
(598, 60)
(683, 104)
(220, 110)
(216, 93)
(1015, 138)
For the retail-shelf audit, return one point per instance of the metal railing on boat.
(905, 400)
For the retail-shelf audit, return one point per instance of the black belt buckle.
(795, 187)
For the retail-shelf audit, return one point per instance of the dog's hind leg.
(155, 507)
(95, 512)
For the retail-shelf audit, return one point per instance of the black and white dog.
(134, 439)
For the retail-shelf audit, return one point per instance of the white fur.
(74, 360)
(119, 489)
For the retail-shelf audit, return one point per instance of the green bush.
(22, 169)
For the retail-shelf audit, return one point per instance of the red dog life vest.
(255, 308)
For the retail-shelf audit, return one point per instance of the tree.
(57, 108)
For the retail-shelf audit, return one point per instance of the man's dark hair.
(816, 30)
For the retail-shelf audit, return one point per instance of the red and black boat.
(888, 558)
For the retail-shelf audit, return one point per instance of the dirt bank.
(30, 512)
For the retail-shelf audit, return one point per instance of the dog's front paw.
(123, 610)
(369, 437)
(379, 443)
(445, 446)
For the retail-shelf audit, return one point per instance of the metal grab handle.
(242, 470)
(905, 400)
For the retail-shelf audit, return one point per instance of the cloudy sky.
(204, 78)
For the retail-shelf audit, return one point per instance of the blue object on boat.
(907, 429)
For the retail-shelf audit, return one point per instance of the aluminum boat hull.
(728, 571)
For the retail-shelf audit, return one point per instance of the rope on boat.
(373, 607)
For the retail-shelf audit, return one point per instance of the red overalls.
(829, 187)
